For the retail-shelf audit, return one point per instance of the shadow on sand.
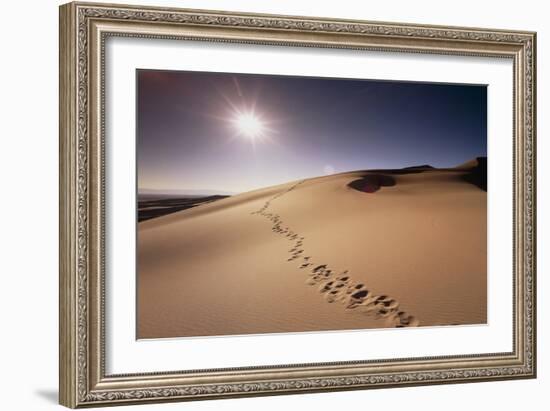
(371, 183)
(478, 175)
(375, 179)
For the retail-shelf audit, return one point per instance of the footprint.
(326, 273)
(402, 319)
(332, 296)
(326, 287)
(311, 281)
(389, 304)
(339, 285)
(357, 297)
(366, 306)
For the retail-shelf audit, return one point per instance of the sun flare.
(249, 125)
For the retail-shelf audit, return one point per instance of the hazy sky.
(192, 134)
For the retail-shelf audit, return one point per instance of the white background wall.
(28, 204)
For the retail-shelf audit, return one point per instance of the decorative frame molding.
(83, 30)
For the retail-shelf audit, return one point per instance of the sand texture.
(364, 249)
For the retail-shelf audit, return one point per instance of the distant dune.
(178, 193)
(362, 249)
(153, 206)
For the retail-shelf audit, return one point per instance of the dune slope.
(365, 249)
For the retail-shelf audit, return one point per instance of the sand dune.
(364, 249)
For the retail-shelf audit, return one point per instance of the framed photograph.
(260, 204)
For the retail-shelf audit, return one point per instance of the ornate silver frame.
(83, 30)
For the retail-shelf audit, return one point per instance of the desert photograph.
(286, 204)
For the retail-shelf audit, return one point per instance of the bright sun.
(249, 125)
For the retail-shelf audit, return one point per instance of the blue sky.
(190, 138)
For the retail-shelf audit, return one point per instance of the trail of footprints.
(336, 286)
